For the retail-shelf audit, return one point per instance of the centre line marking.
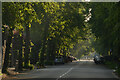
(64, 73)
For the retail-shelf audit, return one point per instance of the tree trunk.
(20, 55)
(54, 49)
(27, 46)
(44, 41)
(43, 48)
(48, 50)
(51, 49)
(6, 58)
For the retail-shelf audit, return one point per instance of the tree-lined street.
(36, 34)
(77, 69)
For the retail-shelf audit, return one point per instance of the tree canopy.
(105, 25)
(50, 29)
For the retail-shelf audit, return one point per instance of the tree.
(16, 16)
(105, 25)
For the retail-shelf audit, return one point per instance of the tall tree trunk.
(48, 50)
(51, 50)
(44, 41)
(44, 47)
(54, 49)
(20, 55)
(27, 46)
(7, 51)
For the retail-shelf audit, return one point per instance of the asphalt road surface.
(77, 70)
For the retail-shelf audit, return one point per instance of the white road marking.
(64, 73)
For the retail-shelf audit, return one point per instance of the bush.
(38, 64)
(118, 71)
(111, 65)
(31, 66)
(114, 65)
(49, 62)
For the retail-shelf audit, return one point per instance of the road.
(77, 70)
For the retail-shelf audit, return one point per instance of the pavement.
(77, 70)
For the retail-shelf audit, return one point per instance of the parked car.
(68, 59)
(98, 59)
(59, 60)
(75, 59)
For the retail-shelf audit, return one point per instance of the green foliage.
(104, 23)
(49, 62)
(18, 14)
(62, 27)
(31, 66)
(39, 65)
(118, 71)
(0, 72)
(111, 65)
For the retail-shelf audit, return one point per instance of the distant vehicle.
(75, 59)
(68, 59)
(59, 60)
(98, 59)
